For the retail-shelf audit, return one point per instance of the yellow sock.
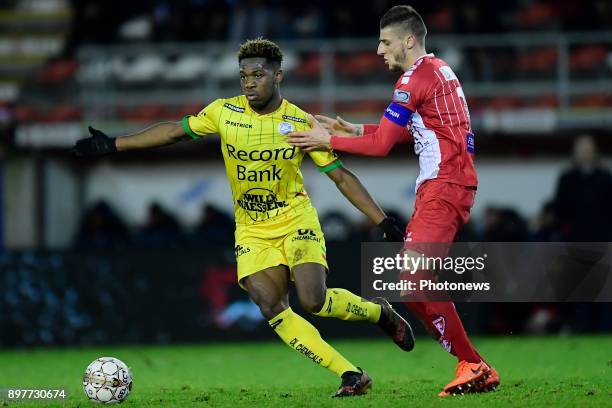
(304, 338)
(342, 304)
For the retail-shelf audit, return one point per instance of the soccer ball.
(107, 380)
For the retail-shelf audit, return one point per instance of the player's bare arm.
(160, 134)
(100, 144)
(350, 186)
(340, 126)
(377, 143)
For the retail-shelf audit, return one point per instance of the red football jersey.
(440, 122)
(429, 104)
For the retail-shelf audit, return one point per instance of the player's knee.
(312, 302)
(269, 307)
(271, 310)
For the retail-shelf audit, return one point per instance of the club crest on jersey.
(285, 128)
(440, 324)
(401, 96)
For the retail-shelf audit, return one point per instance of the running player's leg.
(440, 210)
(313, 295)
(269, 290)
(305, 251)
(317, 299)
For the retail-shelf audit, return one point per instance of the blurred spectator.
(584, 196)
(161, 229)
(236, 20)
(101, 228)
(336, 226)
(214, 226)
(250, 19)
(547, 228)
(504, 225)
(467, 233)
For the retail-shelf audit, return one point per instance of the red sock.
(443, 323)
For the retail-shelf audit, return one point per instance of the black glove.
(97, 145)
(392, 229)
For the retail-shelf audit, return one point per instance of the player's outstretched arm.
(350, 186)
(99, 144)
(378, 143)
(340, 126)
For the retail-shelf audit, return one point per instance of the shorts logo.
(260, 203)
(446, 345)
(401, 96)
(240, 250)
(306, 235)
(285, 128)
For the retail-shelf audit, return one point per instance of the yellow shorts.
(292, 239)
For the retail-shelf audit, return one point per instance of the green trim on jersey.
(333, 165)
(187, 129)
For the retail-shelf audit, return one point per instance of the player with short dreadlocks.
(278, 236)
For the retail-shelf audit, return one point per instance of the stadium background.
(137, 248)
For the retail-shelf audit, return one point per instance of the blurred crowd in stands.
(580, 211)
(46, 61)
(234, 20)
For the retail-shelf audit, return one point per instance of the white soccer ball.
(107, 380)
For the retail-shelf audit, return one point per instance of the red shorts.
(440, 210)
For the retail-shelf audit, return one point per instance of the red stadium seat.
(503, 102)
(58, 71)
(441, 20)
(144, 113)
(588, 57)
(542, 59)
(310, 66)
(26, 114)
(363, 63)
(593, 101)
(188, 109)
(372, 107)
(476, 104)
(313, 108)
(63, 113)
(545, 101)
(537, 15)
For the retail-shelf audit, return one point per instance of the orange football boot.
(467, 378)
(490, 383)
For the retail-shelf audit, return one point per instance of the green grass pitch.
(547, 371)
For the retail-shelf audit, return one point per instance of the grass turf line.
(554, 371)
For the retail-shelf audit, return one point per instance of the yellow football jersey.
(262, 168)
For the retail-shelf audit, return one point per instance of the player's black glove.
(392, 229)
(97, 145)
